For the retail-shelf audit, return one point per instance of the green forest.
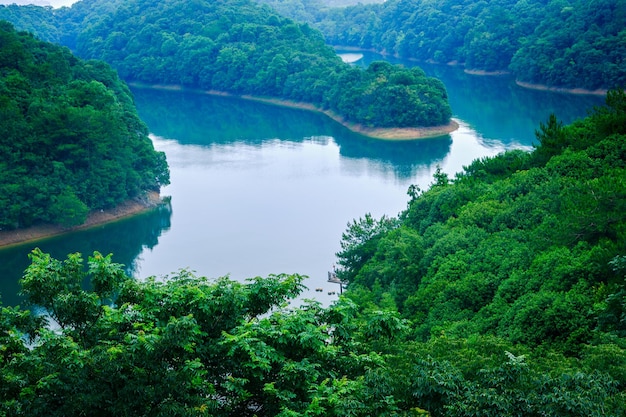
(70, 138)
(239, 47)
(500, 292)
(559, 43)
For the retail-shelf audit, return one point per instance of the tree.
(67, 209)
(552, 138)
(182, 346)
(358, 243)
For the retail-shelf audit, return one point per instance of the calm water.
(259, 189)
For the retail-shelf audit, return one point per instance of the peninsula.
(95, 218)
(256, 53)
(384, 133)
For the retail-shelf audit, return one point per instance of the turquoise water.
(259, 189)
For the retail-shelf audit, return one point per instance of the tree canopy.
(511, 238)
(240, 47)
(183, 346)
(70, 137)
(524, 247)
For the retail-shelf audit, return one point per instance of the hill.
(242, 48)
(574, 44)
(525, 246)
(70, 139)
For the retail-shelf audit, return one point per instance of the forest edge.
(138, 205)
(478, 72)
(409, 133)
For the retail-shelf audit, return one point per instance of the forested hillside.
(500, 292)
(512, 238)
(240, 47)
(573, 44)
(528, 248)
(70, 138)
(310, 10)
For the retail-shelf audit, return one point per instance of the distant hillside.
(70, 137)
(42, 3)
(572, 44)
(310, 10)
(240, 47)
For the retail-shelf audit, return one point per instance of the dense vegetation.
(573, 43)
(70, 138)
(498, 293)
(240, 47)
(510, 235)
(525, 247)
(310, 10)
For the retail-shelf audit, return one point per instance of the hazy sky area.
(53, 3)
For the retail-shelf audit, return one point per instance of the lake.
(258, 189)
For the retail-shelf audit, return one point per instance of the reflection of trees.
(200, 119)
(193, 118)
(403, 158)
(125, 239)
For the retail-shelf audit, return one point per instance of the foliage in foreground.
(70, 138)
(187, 346)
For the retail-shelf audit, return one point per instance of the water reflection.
(259, 189)
(207, 120)
(125, 238)
(404, 158)
(201, 119)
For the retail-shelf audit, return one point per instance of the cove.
(259, 189)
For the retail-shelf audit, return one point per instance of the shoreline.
(481, 73)
(151, 200)
(406, 133)
(576, 91)
(382, 133)
(485, 73)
